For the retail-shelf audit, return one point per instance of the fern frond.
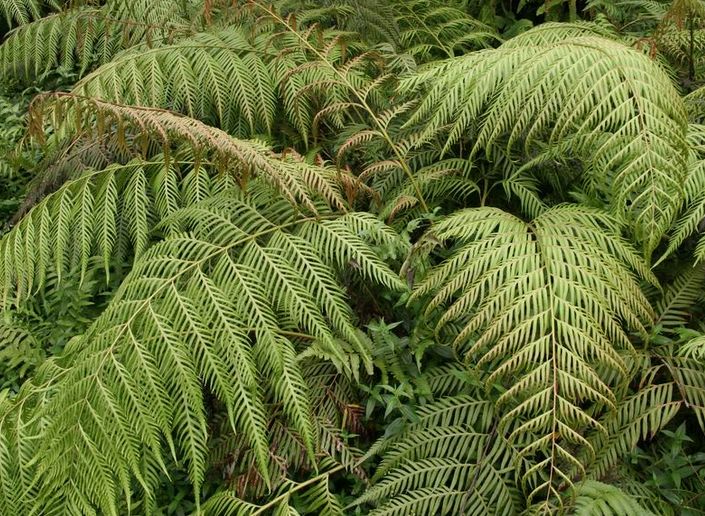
(196, 308)
(540, 308)
(313, 495)
(694, 211)
(115, 211)
(428, 28)
(79, 39)
(638, 417)
(621, 111)
(595, 498)
(21, 12)
(680, 297)
(449, 462)
(443, 180)
(242, 83)
(69, 113)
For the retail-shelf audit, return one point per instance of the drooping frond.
(313, 496)
(693, 215)
(424, 29)
(84, 37)
(114, 211)
(217, 78)
(442, 180)
(373, 20)
(429, 28)
(695, 102)
(544, 308)
(242, 84)
(623, 116)
(335, 412)
(217, 306)
(674, 309)
(638, 417)
(70, 114)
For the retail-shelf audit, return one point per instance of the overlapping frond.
(218, 307)
(424, 29)
(544, 308)
(243, 84)
(638, 417)
(114, 210)
(312, 496)
(690, 221)
(429, 28)
(373, 20)
(594, 498)
(621, 112)
(69, 114)
(674, 308)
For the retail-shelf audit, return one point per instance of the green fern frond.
(674, 309)
(638, 417)
(694, 211)
(443, 180)
(449, 462)
(313, 496)
(196, 308)
(21, 12)
(242, 84)
(423, 29)
(116, 210)
(594, 498)
(68, 114)
(81, 38)
(429, 27)
(619, 109)
(540, 308)
(372, 20)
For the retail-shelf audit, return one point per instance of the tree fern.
(535, 91)
(539, 307)
(197, 307)
(201, 304)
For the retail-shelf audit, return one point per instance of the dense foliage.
(384, 257)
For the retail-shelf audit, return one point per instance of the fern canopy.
(372, 257)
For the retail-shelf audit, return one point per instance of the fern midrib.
(548, 285)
